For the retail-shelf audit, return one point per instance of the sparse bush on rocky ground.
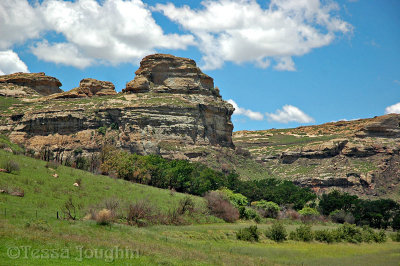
(248, 234)
(277, 232)
(221, 207)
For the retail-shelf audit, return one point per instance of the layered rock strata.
(28, 85)
(178, 115)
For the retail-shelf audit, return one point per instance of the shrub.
(307, 211)
(11, 166)
(324, 236)
(236, 199)
(249, 214)
(276, 232)
(114, 126)
(341, 216)
(186, 205)
(140, 213)
(248, 234)
(102, 130)
(40, 225)
(349, 233)
(104, 217)
(221, 207)
(289, 214)
(302, 233)
(268, 209)
(396, 237)
(81, 163)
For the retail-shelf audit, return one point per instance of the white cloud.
(289, 113)
(242, 31)
(246, 112)
(61, 53)
(113, 32)
(19, 21)
(393, 109)
(11, 63)
(396, 81)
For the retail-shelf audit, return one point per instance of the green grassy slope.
(199, 244)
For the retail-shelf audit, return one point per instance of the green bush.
(307, 211)
(237, 199)
(396, 237)
(248, 234)
(302, 233)
(276, 232)
(349, 233)
(324, 236)
(102, 130)
(268, 209)
(248, 213)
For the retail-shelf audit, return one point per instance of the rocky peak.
(34, 84)
(171, 74)
(87, 88)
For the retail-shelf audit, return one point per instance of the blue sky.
(282, 63)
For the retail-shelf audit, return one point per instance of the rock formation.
(361, 156)
(178, 115)
(28, 84)
(87, 88)
(171, 74)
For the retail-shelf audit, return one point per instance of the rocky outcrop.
(88, 88)
(28, 84)
(177, 116)
(387, 126)
(171, 74)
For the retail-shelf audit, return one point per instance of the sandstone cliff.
(178, 115)
(28, 85)
(361, 156)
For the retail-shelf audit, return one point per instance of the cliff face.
(361, 156)
(170, 117)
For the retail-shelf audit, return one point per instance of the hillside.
(29, 224)
(360, 156)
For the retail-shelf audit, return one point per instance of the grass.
(197, 244)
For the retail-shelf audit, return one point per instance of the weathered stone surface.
(28, 84)
(177, 124)
(171, 74)
(87, 88)
(387, 126)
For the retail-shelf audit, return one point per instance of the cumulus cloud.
(246, 112)
(61, 53)
(289, 113)
(242, 31)
(19, 21)
(115, 31)
(393, 109)
(11, 63)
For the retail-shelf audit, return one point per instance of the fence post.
(57, 215)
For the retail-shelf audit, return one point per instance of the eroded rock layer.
(361, 156)
(28, 84)
(177, 115)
